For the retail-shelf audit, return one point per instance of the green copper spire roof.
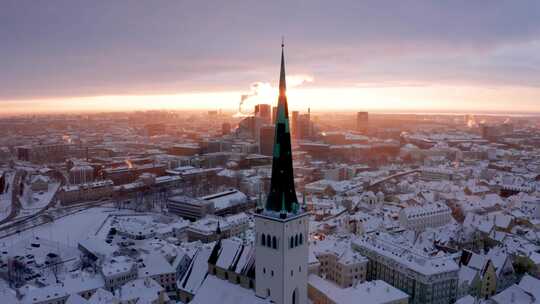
(282, 194)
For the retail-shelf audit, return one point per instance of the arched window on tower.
(263, 240)
(296, 240)
(274, 242)
(268, 241)
(291, 245)
(295, 299)
(301, 239)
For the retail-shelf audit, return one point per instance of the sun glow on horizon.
(383, 98)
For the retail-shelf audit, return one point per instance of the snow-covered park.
(66, 230)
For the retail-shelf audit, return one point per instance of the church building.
(275, 266)
(281, 245)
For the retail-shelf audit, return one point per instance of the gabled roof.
(214, 290)
(196, 272)
(513, 294)
(466, 274)
(76, 299)
(531, 285)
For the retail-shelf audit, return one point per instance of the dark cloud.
(80, 48)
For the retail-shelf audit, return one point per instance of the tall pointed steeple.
(282, 194)
(282, 82)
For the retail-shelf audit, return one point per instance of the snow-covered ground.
(32, 202)
(67, 230)
(5, 198)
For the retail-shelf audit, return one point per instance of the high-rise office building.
(305, 127)
(362, 122)
(266, 140)
(264, 111)
(225, 128)
(274, 115)
(281, 248)
(294, 124)
(301, 125)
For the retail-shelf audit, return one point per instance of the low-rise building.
(223, 203)
(86, 192)
(204, 230)
(144, 290)
(436, 174)
(494, 272)
(321, 291)
(425, 216)
(117, 271)
(427, 279)
(339, 263)
(156, 267)
(233, 261)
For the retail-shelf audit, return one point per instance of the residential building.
(427, 279)
(425, 216)
(321, 291)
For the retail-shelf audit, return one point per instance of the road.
(15, 203)
(16, 206)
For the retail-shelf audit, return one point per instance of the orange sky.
(423, 98)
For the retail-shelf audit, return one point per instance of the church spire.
(282, 82)
(282, 194)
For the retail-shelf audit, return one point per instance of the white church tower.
(281, 251)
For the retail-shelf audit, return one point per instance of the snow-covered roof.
(341, 249)
(404, 255)
(513, 294)
(426, 210)
(117, 266)
(466, 274)
(197, 271)
(530, 284)
(98, 246)
(154, 264)
(48, 293)
(102, 296)
(468, 299)
(214, 290)
(144, 290)
(373, 292)
(226, 199)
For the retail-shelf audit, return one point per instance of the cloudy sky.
(481, 55)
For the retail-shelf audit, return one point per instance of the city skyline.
(419, 57)
(150, 153)
(262, 203)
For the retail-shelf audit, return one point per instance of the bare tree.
(2, 182)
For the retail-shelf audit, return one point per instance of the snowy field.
(67, 230)
(5, 198)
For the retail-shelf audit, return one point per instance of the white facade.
(422, 217)
(436, 174)
(281, 269)
(118, 271)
